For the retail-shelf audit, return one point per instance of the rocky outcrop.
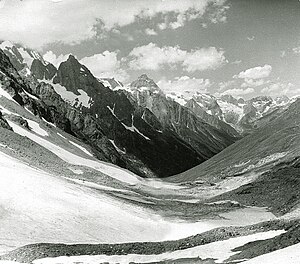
(19, 120)
(43, 71)
(3, 122)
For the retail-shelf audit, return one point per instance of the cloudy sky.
(240, 47)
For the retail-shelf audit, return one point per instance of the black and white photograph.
(149, 131)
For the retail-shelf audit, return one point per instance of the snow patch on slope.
(36, 128)
(72, 98)
(131, 128)
(116, 147)
(75, 100)
(220, 251)
(81, 148)
(288, 255)
(37, 207)
(110, 170)
(4, 93)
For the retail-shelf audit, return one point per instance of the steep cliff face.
(122, 123)
(207, 137)
(74, 100)
(44, 102)
(213, 120)
(43, 70)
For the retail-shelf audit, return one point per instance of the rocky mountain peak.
(20, 56)
(282, 99)
(72, 58)
(144, 81)
(144, 76)
(261, 98)
(72, 75)
(230, 99)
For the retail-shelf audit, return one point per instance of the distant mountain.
(243, 115)
(207, 134)
(22, 58)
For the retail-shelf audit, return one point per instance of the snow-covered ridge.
(229, 109)
(23, 55)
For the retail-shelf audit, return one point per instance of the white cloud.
(253, 83)
(255, 73)
(184, 85)
(204, 59)
(35, 23)
(150, 32)
(282, 53)
(224, 85)
(236, 62)
(105, 64)
(239, 91)
(152, 57)
(296, 50)
(54, 59)
(281, 88)
(180, 21)
(162, 26)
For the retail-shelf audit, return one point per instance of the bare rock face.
(124, 122)
(110, 116)
(19, 120)
(3, 122)
(211, 119)
(207, 134)
(43, 71)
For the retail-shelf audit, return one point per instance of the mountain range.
(128, 129)
(96, 171)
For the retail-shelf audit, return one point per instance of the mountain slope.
(206, 136)
(278, 138)
(54, 191)
(101, 117)
(121, 122)
(261, 169)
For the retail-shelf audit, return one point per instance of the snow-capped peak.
(144, 82)
(6, 44)
(22, 55)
